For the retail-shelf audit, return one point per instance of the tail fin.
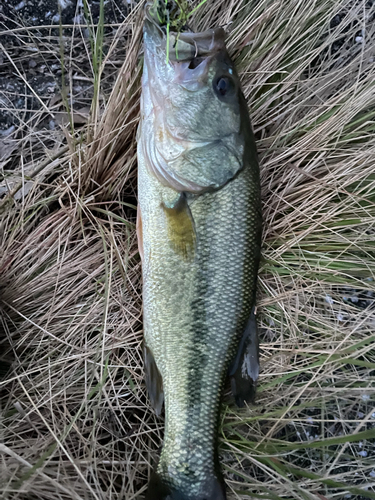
(158, 490)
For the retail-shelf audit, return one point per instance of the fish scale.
(197, 297)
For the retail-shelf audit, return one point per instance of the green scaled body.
(199, 229)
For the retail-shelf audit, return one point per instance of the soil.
(30, 36)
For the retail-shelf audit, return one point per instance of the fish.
(199, 226)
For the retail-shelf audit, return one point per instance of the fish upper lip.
(151, 24)
(202, 44)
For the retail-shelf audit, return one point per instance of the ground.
(75, 418)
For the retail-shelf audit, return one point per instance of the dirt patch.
(46, 68)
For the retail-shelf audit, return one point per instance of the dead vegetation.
(75, 421)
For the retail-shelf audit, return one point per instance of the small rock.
(19, 6)
(64, 3)
(329, 299)
(77, 19)
(8, 131)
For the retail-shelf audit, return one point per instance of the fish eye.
(223, 85)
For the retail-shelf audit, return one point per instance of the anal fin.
(154, 381)
(244, 370)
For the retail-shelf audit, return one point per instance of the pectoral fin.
(244, 371)
(154, 381)
(181, 231)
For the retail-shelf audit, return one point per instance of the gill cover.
(191, 129)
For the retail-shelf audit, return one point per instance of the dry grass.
(76, 423)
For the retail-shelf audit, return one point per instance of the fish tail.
(159, 490)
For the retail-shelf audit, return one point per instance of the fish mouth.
(182, 45)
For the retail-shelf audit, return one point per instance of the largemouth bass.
(199, 230)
